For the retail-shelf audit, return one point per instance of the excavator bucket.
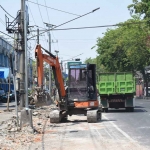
(40, 98)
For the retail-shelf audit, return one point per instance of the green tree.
(95, 61)
(90, 60)
(141, 7)
(124, 48)
(34, 68)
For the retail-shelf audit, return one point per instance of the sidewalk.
(4, 115)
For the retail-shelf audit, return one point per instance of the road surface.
(3, 106)
(118, 130)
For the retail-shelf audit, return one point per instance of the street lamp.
(49, 37)
(56, 51)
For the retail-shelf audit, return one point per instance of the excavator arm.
(54, 63)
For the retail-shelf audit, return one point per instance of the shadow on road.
(5, 104)
(106, 120)
(136, 110)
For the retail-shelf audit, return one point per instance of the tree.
(124, 48)
(90, 60)
(141, 7)
(34, 68)
(95, 61)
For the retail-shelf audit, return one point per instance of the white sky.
(72, 42)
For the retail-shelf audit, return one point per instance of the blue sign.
(1, 74)
(74, 63)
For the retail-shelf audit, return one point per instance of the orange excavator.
(79, 97)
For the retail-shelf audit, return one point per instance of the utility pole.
(21, 69)
(49, 39)
(26, 56)
(22, 58)
(37, 35)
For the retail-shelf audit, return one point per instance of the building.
(5, 49)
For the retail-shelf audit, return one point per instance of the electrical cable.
(31, 13)
(2, 21)
(53, 8)
(34, 22)
(8, 35)
(48, 18)
(66, 22)
(103, 26)
(41, 18)
(6, 11)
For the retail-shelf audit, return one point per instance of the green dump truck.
(116, 90)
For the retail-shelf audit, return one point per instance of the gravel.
(13, 138)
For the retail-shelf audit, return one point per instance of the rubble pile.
(12, 137)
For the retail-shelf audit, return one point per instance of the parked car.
(4, 97)
(2, 93)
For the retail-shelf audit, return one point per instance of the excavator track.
(55, 116)
(93, 116)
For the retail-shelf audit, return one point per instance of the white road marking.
(121, 131)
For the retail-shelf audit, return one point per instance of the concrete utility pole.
(22, 58)
(26, 114)
(26, 56)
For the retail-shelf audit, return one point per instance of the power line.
(48, 19)
(76, 39)
(6, 12)
(104, 26)
(54, 8)
(39, 11)
(33, 20)
(8, 35)
(66, 22)
(47, 11)
(31, 13)
(41, 17)
(73, 57)
(2, 21)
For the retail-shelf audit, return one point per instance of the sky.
(69, 43)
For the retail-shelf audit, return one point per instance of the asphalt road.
(118, 130)
(136, 124)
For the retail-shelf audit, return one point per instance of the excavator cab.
(82, 83)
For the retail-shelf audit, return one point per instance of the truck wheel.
(127, 109)
(132, 109)
(105, 109)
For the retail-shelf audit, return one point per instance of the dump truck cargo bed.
(116, 90)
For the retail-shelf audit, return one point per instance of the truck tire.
(106, 110)
(131, 109)
(127, 109)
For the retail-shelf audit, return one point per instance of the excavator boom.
(54, 63)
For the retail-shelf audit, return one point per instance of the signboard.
(73, 63)
(2, 74)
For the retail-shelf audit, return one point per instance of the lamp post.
(56, 52)
(49, 37)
